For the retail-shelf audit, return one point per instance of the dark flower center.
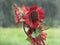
(33, 16)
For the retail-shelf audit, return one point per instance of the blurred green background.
(12, 34)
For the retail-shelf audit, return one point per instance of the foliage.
(14, 36)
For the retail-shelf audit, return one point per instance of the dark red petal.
(33, 8)
(41, 13)
(26, 16)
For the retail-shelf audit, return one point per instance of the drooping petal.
(17, 14)
(43, 35)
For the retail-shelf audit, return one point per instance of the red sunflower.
(34, 16)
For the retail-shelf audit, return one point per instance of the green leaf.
(28, 40)
(36, 34)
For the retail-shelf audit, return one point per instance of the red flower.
(34, 16)
(17, 13)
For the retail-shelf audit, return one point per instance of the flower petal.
(41, 13)
(43, 35)
(17, 13)
(24, 8)
(33, 8)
